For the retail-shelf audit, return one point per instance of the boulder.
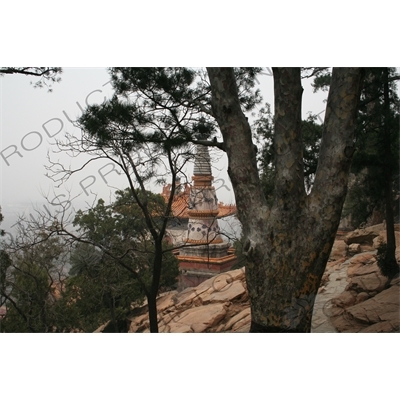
(363, 258)
(359, 269)
(367, 283)
(365, 235)
(383, 306)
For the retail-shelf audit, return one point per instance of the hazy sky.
(32, 119)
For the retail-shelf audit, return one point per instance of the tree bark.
(287, 245)
(390, 256)
(152, 305)
(156, 276)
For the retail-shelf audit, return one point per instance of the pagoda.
(204, 253)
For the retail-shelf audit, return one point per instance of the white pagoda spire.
(203, 203)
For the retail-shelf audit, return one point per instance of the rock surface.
(379, 313)
(219, 304)
(369, 302)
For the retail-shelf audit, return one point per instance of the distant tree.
(376, 154)
(1, 220)
(111, 258)
(375, 167)
(98, 290)
(100, 287)
(5, 263)
(32, 280)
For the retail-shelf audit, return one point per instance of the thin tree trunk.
(155, 286)
(390, 257)
(152, 305)
(113, 319)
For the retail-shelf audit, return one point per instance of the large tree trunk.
(287, 245)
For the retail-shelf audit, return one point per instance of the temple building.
(203, 252)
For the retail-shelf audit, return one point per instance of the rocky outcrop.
(363, 280)
(219, 304)
(369, 302)
(380, 313)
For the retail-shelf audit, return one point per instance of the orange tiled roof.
(180, 203)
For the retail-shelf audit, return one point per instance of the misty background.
(32, 119)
